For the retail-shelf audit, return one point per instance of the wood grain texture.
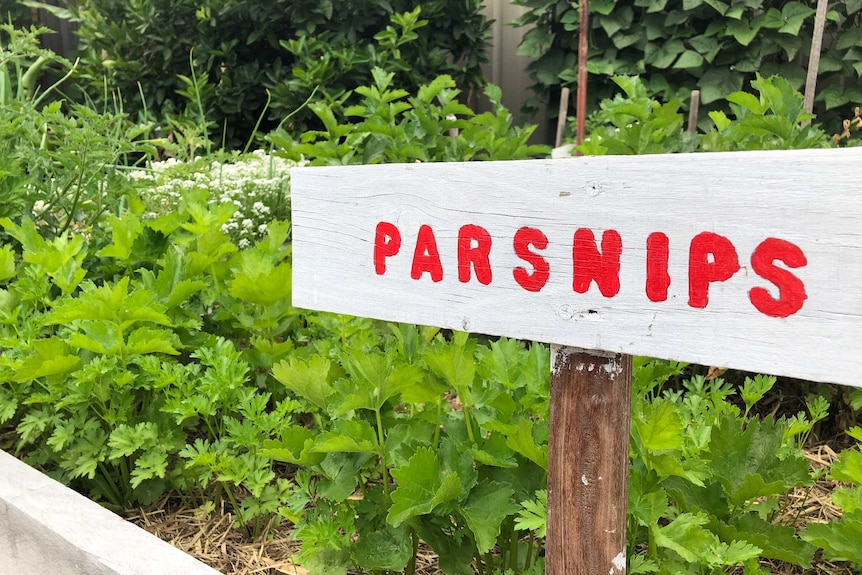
(811, 198)
(588, 459)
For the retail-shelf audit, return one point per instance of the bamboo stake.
(693, 110)
(814, 57)
(562, 116)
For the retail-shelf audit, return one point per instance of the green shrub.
(636, 123)
(676, 46)
(390, 125)
(241, 50)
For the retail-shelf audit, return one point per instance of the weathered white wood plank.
(811, 200)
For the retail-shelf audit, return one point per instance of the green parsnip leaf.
(488, 504)
(308, 379)
(421, 487)
(388, 548)
(51, 357)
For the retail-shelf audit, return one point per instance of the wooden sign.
(745, 260)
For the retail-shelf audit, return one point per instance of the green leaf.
(421, 487)
(716, 83)
(153, 463)
(455, 363)
(125, 440)
(839, 540)
(376, 380)
(257, 281)
(772, 19)
(519, 438)
(534, 515)
(795, 14)
(146, 340)
(488, 504)
(744, 457)
(748, 101)
(389, 548)
(294, 447)
(718, 5)
(51, 357)
(663, 55)
(848, 467)
(689, 59)
(124, 231)
(743, 31)
(685, 535)
(348, 436)
(308, 379)
(99, 337)
(777, 542)
(7, 263)
(660, 427)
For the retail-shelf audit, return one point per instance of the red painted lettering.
(535, 280)
(387, 242)
(657, 278)
(702, 271)
(426, 257)
(791, 290)
(591, 265)
(474, 245)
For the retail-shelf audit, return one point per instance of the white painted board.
(775, 204)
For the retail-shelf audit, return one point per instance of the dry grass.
(209, 535)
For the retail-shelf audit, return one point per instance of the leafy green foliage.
(635, 123)
(714, 46)
(59, 162)
(392, 126)
(253, 60)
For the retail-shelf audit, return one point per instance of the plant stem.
(528, 560)
(384, 469)
(411, 565)
(513, 546)
(469, 422)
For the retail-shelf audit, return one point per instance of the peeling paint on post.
(588, 462)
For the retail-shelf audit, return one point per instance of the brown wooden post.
(583, 53)
(588, 462)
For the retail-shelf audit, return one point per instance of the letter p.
(387, 242)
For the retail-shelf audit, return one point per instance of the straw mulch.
(210, 536)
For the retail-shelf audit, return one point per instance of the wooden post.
(588, 462)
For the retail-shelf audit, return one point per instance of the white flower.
(244, 243)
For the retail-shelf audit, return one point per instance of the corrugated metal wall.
(508, 70)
